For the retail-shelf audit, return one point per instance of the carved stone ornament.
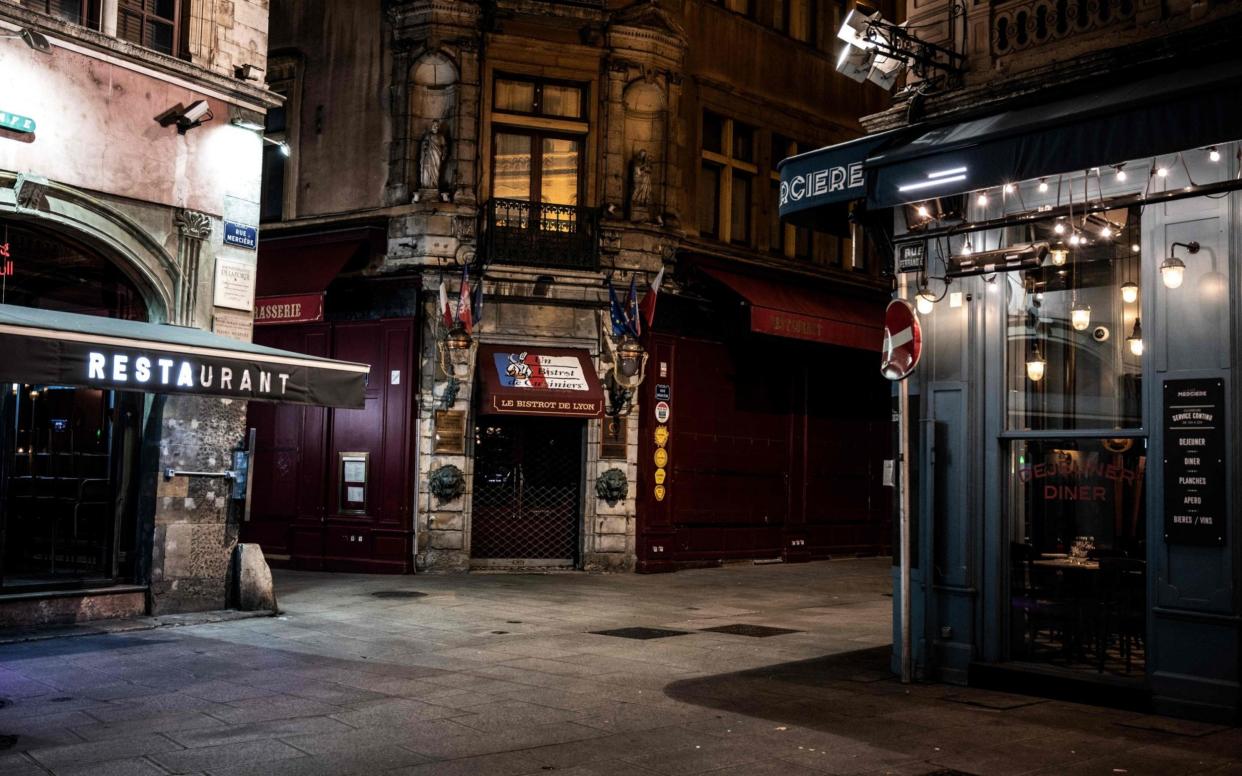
(31, 192)
(612, 486)
(640, 180)
(193, 224)
(432, 151)
(446, 483)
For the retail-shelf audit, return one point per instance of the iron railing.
(541, 235)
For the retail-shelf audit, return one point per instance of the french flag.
(647, 306)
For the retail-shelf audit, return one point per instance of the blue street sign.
(241, 235)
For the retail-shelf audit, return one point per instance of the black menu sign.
(1194, 462)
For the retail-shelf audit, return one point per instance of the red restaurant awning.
(521, 380)
(786, 310)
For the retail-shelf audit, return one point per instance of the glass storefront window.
(1073, 328)
(68, 456)
(1077, 553)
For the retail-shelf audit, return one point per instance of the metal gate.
(527, 476)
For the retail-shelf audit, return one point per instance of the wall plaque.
(450, 432)
(1194, 462)
(236, 326)
(234, 284)
(613, 438)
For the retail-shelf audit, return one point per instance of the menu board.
(1194, 462)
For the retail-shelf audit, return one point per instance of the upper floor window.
(539, 97)
(726, 179)
(802, 242)
(538, 141)
(744, 7)
(796, 18)
(81, 12)
(153, 24)
(537, 213)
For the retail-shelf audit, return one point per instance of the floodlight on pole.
(893, 47)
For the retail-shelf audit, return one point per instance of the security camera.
(196, 110)
(186, 117)
(1100, 334)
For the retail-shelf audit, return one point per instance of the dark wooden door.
(526, 500)
(301, 512)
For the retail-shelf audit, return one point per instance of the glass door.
(67, 480)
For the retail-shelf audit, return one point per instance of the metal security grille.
(526, 482)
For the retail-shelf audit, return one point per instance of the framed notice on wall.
(352, 474)
(613, 437)
(1194, 462)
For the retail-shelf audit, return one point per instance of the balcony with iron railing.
(538, 234)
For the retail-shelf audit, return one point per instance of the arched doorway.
(68, 455)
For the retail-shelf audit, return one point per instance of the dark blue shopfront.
(1073, 424)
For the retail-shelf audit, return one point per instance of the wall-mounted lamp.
(186, 117)
(1173, 269)
(285, 150)
(36, 40)
(456, 352)
(629, 368)
(241, 122)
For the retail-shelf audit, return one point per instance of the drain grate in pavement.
(993, 700)
(398, 594)
(641, 633)
(757, 631)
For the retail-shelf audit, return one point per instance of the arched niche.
(646, 128)
(432, 97)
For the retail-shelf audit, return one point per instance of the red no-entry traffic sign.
(903, 341)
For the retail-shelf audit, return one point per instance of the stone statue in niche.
(432, 151)
(640, 184)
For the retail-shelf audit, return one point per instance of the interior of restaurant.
(1077, 568)
(67, 483)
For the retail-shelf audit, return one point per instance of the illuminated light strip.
(942, 173)
(927, 184)
(169, 347)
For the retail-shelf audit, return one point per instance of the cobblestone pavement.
(503, 675)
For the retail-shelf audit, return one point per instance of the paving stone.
(348, 683)
(224, 755)
(96, 751)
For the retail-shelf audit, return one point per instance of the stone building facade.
(572, 154)
(108, 211)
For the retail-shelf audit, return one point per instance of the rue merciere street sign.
(1194, 462)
